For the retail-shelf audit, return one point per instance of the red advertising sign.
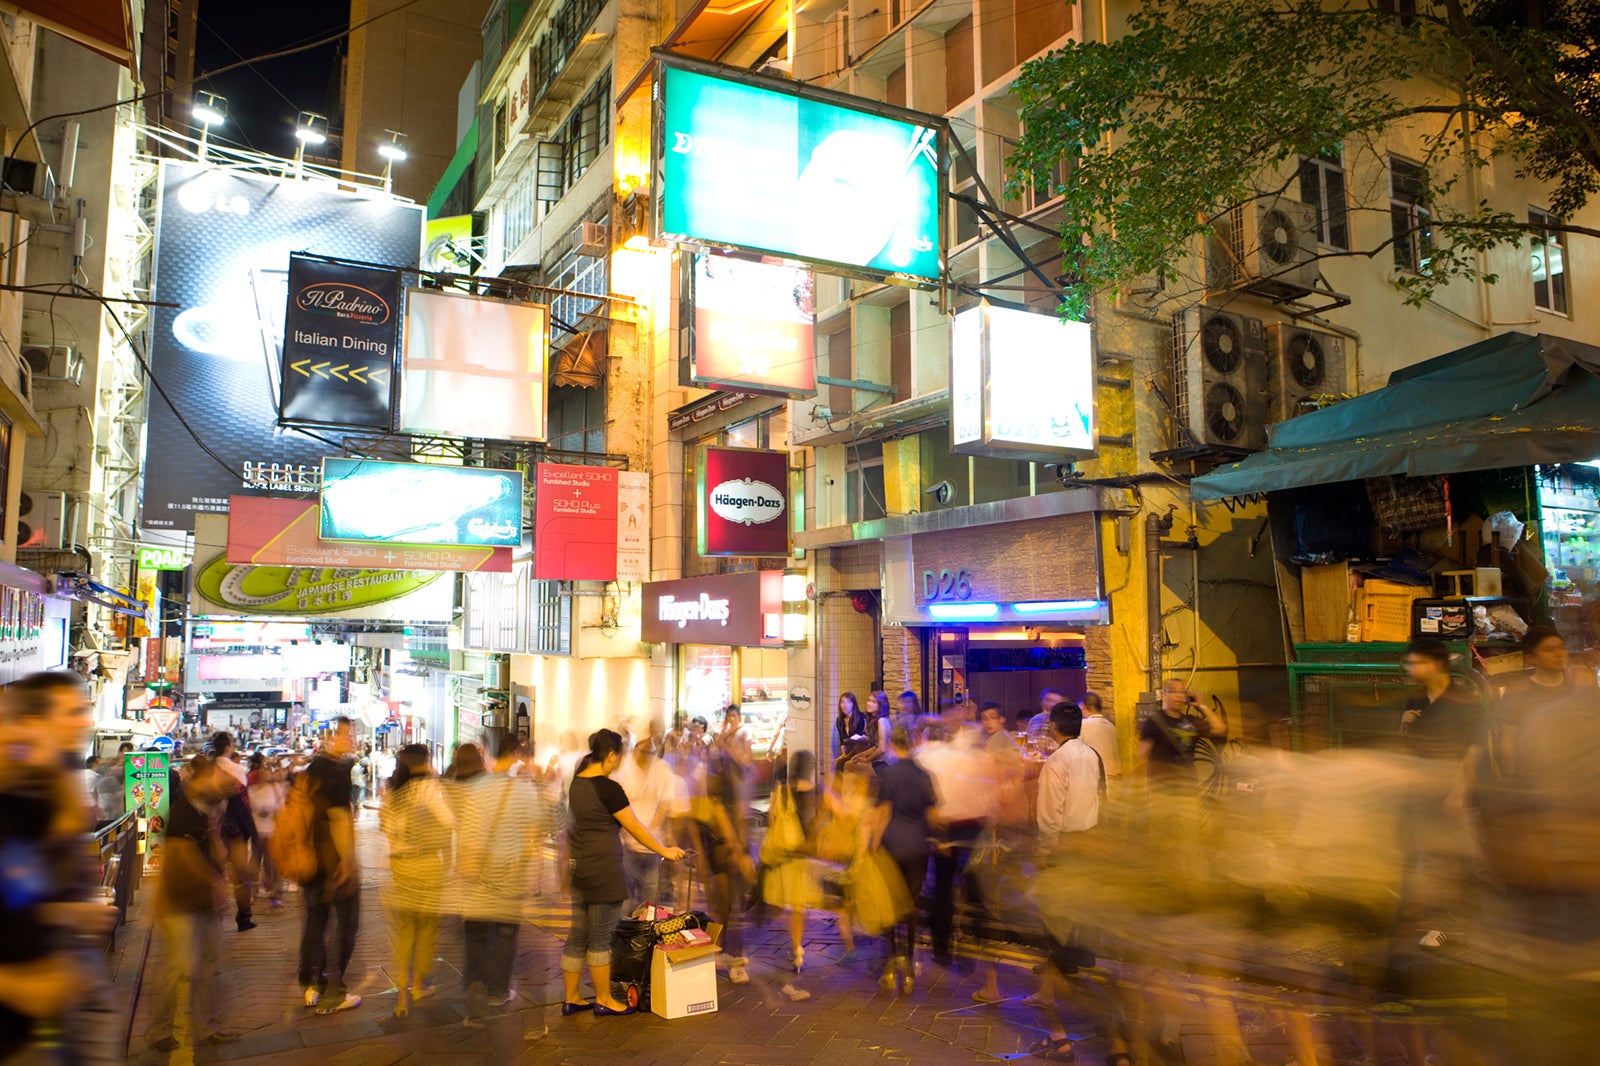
(152, 659)
(743, 496)
(743, 609)
(753, 327)
(575, 523)
(277, 532)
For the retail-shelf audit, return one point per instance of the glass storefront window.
(710, 675)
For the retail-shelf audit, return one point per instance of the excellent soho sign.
(743, 502)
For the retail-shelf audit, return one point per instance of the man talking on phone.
(1167, 741)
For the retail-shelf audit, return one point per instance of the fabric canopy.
(1512, 400)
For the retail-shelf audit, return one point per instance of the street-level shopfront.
(728, 634)
(1002, 612)
(1467, 518)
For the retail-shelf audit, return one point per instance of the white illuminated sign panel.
(1021, 386)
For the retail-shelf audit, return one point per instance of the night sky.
(264, 99)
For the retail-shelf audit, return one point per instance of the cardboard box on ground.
(683, 978)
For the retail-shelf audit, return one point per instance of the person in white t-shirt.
(1100, 733)
(650, 787)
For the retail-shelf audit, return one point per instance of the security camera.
(941, 491)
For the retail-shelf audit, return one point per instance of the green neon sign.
(158, 557)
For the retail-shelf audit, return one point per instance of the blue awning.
(1512, 400)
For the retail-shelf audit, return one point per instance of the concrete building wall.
(401, 74)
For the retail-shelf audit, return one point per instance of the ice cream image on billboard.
(853, 191)
(375, 501)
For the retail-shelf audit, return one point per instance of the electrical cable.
(133, 346)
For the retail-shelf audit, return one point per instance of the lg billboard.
(223, 242)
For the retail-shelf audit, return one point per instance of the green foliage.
(1203, 106)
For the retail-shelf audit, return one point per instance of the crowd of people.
(1479, 823)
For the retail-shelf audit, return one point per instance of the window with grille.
(550, 618)
(1410, 220)
(1322, 186)
(1549, 263)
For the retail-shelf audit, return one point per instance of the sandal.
(1054, 1049)
(980, 996)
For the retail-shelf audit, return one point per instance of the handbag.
(835, 840)
(784, 837)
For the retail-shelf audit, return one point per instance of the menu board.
(147, 781)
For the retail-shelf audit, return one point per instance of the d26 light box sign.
(743, 497)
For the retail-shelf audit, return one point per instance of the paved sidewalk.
(847, 1020)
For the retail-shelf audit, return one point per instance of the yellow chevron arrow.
(335, 371)
(378, 374)
(356, 372)
(317, 370)
(300, 367)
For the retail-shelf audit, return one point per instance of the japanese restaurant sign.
(743, 609)
(575, 523)
(743, 496)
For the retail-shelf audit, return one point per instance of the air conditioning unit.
(1307, 368)
(1273, 244)
(41, 520)
(25, 381)
(53, 362)
(1219, 375)
(595, 240)
(33, 185)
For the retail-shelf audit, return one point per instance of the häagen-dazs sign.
(743, 502)
(747, 502)
(704, 608)
(743, 609)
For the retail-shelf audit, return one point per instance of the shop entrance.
(711, 676)
(1008, 665)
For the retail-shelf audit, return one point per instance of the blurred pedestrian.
(238, 829)
(266, 787)
(57, 704)
(90, 777)
(907, 797)
(649, 785)
(967, 799)
(598, 807)
(110, 789)
(1039, 724)
(722, 835)
(1100, 733)
(192, 875)
(419, 826)
(39, 973)
(495, 847)
(1443, 726)
(334, 893)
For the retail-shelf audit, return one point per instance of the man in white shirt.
(650, 787)
(1070, 782)
(1100, 733)
(964, 781)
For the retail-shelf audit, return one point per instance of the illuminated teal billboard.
(800, 176)
(420, 503)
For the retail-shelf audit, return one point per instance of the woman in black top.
(597, 807)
